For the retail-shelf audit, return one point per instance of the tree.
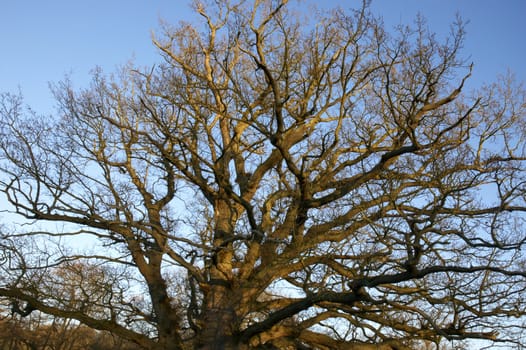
(307, 184)
(39, 331)
(77, 286)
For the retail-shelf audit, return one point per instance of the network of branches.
(283, 178)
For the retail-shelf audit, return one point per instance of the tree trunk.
(219, 320)
(168, 321)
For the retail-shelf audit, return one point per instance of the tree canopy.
(279, 180)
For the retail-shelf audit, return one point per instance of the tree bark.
(217, 323)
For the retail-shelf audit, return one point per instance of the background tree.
(78, 286)
(280, 182)
(39, 331)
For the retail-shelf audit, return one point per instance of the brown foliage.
(39, 332)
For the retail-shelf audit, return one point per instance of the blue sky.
(42, 41)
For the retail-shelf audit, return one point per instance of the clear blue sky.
(41, 41)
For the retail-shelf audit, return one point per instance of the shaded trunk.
(168, 322)
(219, 322)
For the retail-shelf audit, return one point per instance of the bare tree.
(38, 331)
(276, 182)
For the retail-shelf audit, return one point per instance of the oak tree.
(279, 179)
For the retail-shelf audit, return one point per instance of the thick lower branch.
(102, 325)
